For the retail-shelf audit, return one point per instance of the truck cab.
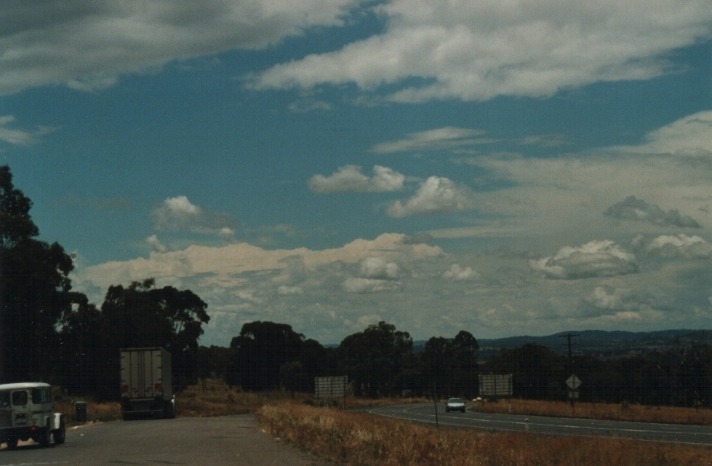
(26, 413)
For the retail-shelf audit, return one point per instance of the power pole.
(572, 391)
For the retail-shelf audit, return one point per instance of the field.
(354, 438)
(614, 412)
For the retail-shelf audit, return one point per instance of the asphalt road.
(673, 433)
(234, 440)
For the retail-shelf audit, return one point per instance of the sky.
(505, 167)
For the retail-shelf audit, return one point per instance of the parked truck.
(146, 383)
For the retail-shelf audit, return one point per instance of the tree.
(142, 315)
(452, 364)
(261, 349)
(34, 288)
(375, 358)
(79, 360)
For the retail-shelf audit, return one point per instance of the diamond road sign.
(573, 382)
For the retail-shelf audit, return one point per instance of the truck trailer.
(146, 383)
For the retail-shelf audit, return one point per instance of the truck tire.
(169, 411)
(43, 437)
(12, 443)
(59, 435)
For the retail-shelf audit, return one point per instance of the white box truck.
(146, 383)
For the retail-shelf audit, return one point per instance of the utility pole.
(573, 390)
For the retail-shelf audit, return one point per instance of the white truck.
(26, 413)
(146, 383)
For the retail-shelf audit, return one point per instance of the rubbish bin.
(80, 411)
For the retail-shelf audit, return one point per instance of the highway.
(673, 433)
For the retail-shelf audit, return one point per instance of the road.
(235, 440)
(673, 433)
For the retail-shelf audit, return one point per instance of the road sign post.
(573, 383)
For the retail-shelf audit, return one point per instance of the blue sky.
(506, 168)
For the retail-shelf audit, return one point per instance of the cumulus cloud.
(458, 273)
(447, 138)
(379, 268)
(285, 290)
(593, 259)
(632, 208)
(478, 50)
(607, 298)
(375, 275)
(87, 45)
(19, 137)
(680, 246)
(436, 195)
(156, 244)
(350, 178)
(180, 214)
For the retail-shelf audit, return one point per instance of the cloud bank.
(479, 50)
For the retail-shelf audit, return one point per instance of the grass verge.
(355, 438)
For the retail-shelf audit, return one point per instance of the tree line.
(50, 332)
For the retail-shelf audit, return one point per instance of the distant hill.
(599, 343)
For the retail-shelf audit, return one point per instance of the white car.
(455, 404)
(26, 413)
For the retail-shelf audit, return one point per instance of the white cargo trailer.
(146, 383)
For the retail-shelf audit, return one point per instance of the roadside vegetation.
(608, 411)
(352, 437)
(356, 438)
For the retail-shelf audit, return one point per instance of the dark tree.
(452, 364)
(79, 360)
(34, 287)
(142, 315)
(375, 358)
(261, 349)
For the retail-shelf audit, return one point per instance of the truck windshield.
(19, 398)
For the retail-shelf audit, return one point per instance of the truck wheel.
(169, 411)
(59, 435)
(43, 437)
(11, 443)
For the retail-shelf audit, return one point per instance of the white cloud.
(156, 244)
(379, 268)
(605, 298)
(175, 212)
(19, 137)
(478, 50)
(593, 259)
(180, 214)
(459, 273)
(689, 136)
(349, 178)
(369, 285)
(87, 45)
(684, 246)
(436, 195)
(290, 290)
(447, 138)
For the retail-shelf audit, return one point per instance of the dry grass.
(616, 412)
(215, 398)
(355, 438)
(96, 412)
